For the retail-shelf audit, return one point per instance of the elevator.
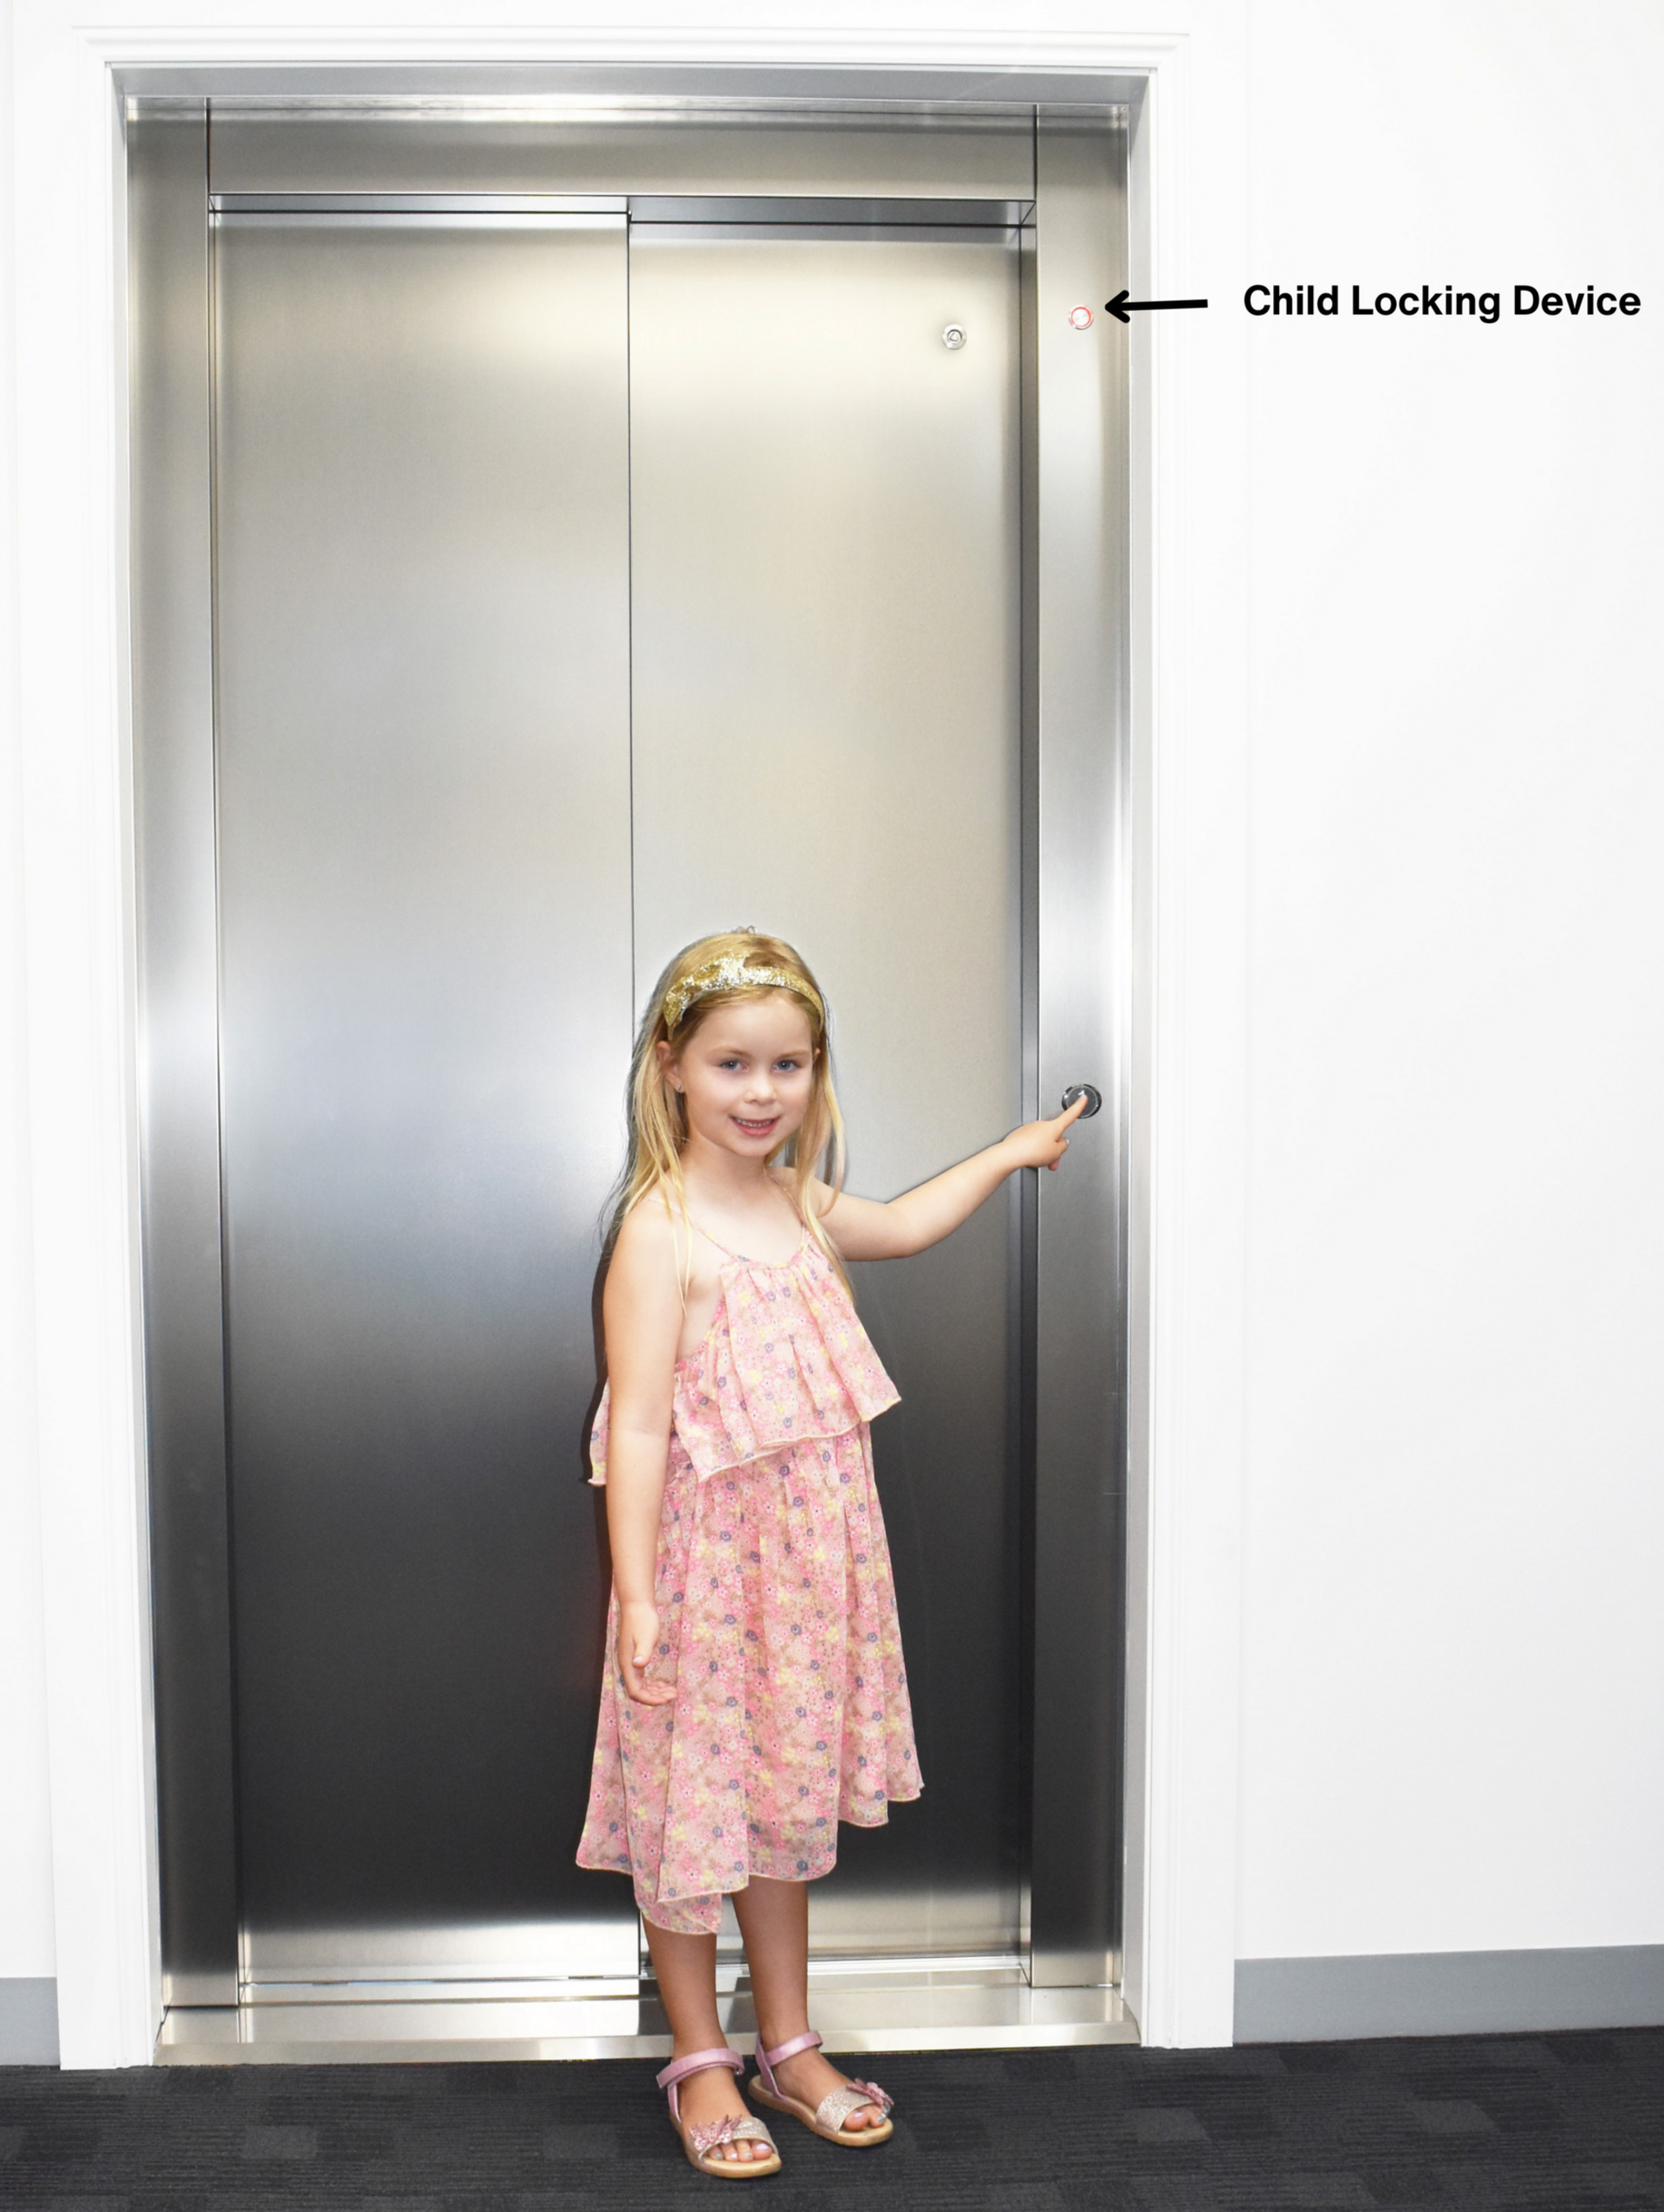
(555, 536)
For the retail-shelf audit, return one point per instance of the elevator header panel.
(664, 150)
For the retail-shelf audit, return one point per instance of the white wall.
(1453, 1641)
(26, 1945)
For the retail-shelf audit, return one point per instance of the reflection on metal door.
(420, 451)
(584, 578)
(826, 557)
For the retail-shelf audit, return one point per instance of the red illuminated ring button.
(1080, 318)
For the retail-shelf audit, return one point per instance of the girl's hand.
(638, 1643)
(1043, 1143)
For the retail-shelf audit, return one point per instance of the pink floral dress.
(777, 1611)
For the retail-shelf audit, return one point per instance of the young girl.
(754, 1696)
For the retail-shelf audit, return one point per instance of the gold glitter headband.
(732, 973)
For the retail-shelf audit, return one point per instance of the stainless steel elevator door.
(421, 520)
(825, 547)
(388, 803)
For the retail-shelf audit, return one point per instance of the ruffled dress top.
(777, 1611)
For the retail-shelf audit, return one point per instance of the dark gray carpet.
(1560, 2121)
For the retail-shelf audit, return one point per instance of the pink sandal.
(826, 2118)
(701, 2138)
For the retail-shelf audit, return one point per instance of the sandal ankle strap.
(768, 2061)
(698, 2062)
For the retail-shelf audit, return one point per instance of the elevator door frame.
(1073, 232)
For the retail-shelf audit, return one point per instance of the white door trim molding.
(74, 736)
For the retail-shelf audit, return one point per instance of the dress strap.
(682, 1273)
(745, 1258)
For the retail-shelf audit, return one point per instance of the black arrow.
(1122, 308)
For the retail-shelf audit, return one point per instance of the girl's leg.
(685, 1967)
(773, 1920)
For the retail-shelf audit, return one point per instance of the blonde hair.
(658, 1114)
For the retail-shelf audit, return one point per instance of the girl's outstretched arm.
(641, 1313)
(864, 1229)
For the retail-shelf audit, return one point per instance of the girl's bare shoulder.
(819, 1195)
(646, 1238)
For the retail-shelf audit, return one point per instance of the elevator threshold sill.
(380, 1985)
(908, 2018)
(383, 1989)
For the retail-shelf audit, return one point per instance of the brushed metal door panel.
(1083, 882)
(826, 550)
(173, 821)
(422, 489)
